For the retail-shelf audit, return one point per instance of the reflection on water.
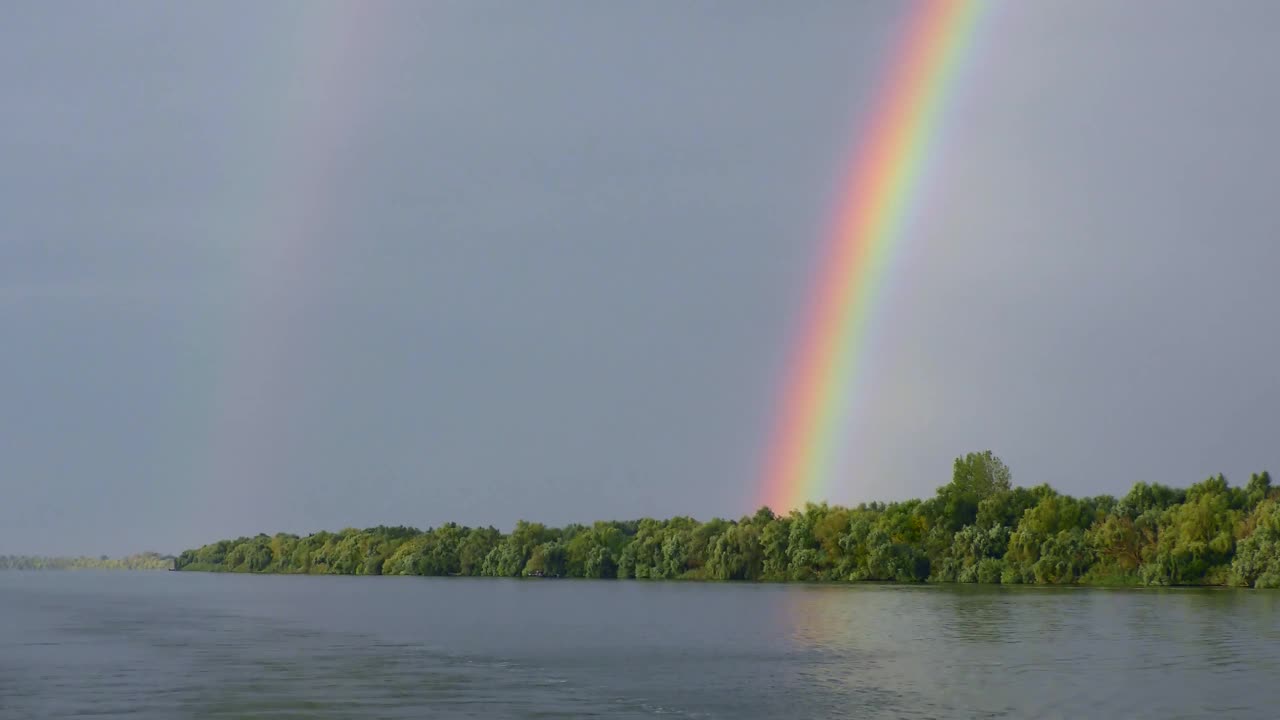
(1046, 652)
(175, 645)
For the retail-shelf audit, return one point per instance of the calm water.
(188, 645)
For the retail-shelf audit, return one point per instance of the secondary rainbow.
(298, 117)
(892, 156)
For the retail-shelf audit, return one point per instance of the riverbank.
(978, 528)
(140, 561)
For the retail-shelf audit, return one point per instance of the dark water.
(187, 645)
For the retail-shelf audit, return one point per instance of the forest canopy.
(979, 528)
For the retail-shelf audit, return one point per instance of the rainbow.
(300, 116)
(890, 161)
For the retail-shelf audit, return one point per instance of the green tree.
(974, 478)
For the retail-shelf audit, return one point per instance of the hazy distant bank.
(978, 528)
(140, 561)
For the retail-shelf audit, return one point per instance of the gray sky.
(270, 269)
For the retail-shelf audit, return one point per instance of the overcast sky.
(269, 266)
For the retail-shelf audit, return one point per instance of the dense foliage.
(978, 528)
(141, 561)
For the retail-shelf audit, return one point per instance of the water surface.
(190, 645)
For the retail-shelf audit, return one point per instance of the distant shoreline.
(140, 561)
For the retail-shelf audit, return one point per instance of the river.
(189, 645)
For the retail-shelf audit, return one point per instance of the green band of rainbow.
(883, 182)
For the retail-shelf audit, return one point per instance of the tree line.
(140, 561)
(979, 528)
